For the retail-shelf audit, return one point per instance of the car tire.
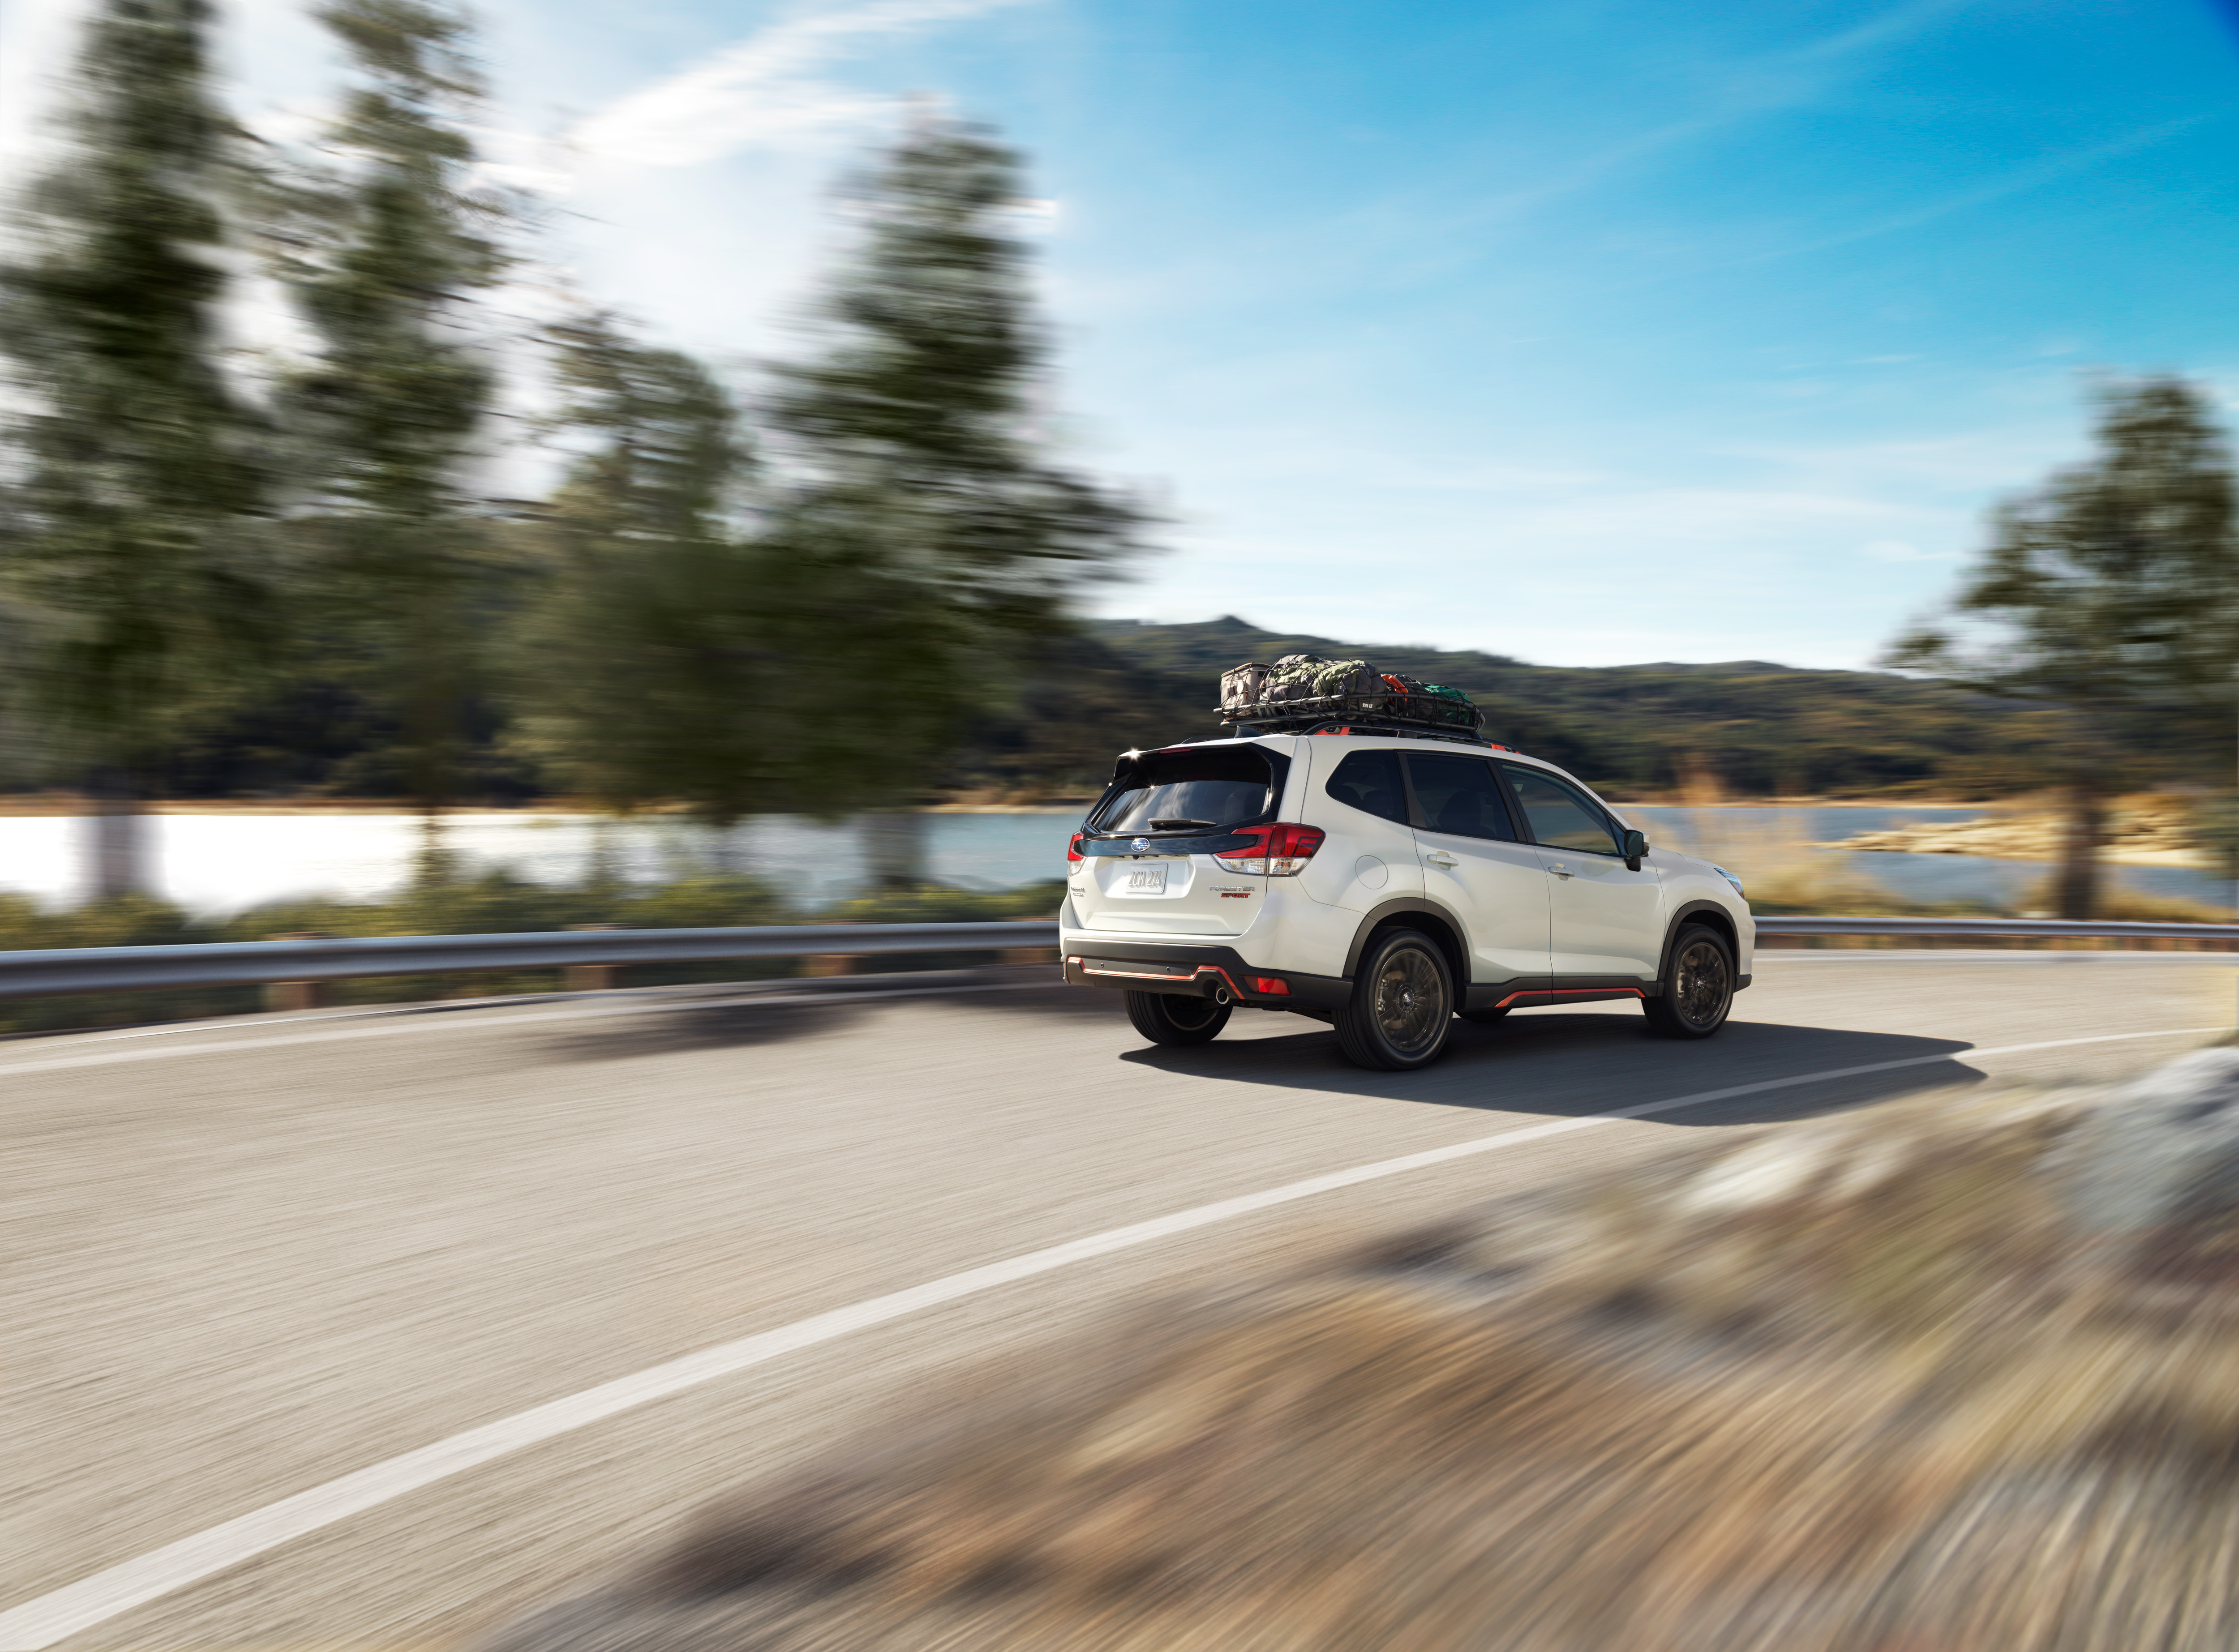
(1698, 988)
(1402, 1006)
(1174, 1018)
(1486, 1018)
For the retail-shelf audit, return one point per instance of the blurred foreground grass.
(496, 904)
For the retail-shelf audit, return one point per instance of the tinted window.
(1369, 781)
(1561, 816)
(1459, 794)
(1222, 786)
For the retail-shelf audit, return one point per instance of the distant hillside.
(1758, 729)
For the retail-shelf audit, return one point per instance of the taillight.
(1276, 851)
(1073, 855)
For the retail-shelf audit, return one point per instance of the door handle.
(1560, 870)
(1440, 858)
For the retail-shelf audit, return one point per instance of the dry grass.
(1948, 1377)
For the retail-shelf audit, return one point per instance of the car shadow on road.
(686, 1028)
(1569, 1065)
(770, 1015)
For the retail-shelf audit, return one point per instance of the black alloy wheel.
(1175, 1018)
(1403, 1004)
(1699, 988)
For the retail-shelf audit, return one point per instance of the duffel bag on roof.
(1244, 687)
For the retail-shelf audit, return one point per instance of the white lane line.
(38, 1624)
(394, 1024)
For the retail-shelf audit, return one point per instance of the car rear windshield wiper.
(1176, 825)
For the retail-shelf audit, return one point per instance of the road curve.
(239, 1262)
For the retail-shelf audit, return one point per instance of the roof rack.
(1455, 718)
(1385, 730)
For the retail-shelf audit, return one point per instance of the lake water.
(220, 864)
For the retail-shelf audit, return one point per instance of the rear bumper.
(1197, 970)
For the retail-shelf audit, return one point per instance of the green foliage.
(937, 903)
(2114, 588)
(930, 513)
(384, 252)
(915, 556)
(638, 662)
(128, 537)
(2112, 593)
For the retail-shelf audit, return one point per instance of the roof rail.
(1389, 731)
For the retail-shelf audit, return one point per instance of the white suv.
(1385, 880)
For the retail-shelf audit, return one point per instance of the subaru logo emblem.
(1139, 845)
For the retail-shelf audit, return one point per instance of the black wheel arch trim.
(1403, 906)
(1680, 920)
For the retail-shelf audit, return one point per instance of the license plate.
(1145, 880)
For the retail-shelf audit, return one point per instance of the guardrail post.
(594, 977)
(1029, 954)
(283, 997)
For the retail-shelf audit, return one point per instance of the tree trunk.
(2078, 889)
(893, 848)
(433, 863)
(115, 839)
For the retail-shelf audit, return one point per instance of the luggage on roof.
(1301, 690)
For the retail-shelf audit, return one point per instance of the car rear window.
(1201, 790)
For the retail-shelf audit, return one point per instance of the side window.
(1459, 794)
(1369, 781)
(1560, 816)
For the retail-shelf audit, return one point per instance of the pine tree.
(636, 666)
(820, 644)
(385, 253)
(933, 510)
(2111, 593)
(130, 537)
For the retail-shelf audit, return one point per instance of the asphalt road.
(238, 1262)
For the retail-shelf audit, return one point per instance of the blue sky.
(1589, 332)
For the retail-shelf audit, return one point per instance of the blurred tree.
(385, 249)
(821, 644)
(2111, 593)
(129, 538)
(637, 665)
(683, 649)
(930, 522)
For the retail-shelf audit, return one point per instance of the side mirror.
(1635, 845)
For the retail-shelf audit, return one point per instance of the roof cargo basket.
(1430, 712)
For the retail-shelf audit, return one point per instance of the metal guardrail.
(119, 969)
(2026, 928)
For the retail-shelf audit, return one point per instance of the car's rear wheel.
(1698, 989)
(1403, 1004)
(1171, 1018)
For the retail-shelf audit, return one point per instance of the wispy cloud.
(765, 90)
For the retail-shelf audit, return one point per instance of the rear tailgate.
(1151, 867)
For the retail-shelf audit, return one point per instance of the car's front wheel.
(1699, 988)
(1170, 1018)
(1403, 1004)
